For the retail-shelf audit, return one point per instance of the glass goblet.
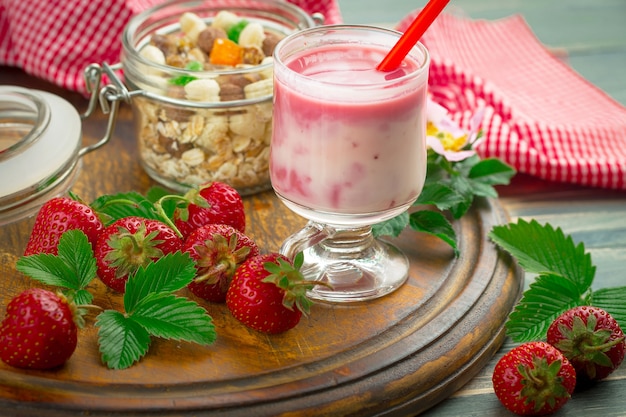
(348, 150)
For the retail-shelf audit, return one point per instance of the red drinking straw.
(413, 34)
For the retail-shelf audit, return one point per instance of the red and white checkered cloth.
(541, 117)
(57, 39)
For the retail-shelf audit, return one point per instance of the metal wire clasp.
(108, 96)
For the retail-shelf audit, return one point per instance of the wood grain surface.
(394, 356)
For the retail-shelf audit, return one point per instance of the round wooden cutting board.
(398, 355)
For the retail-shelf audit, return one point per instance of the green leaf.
(464, 167)
(172, 317)
(437, 168)
(612, 300)
(155, 193)
(392, 227)
(546, 298)
(479, 189)
(74, 267)
(544, 250)
(122, 341)
(117, 206)
(436, 224)
(76, 251)
(82, 297)
(462, 186)
(439, 195)
(492, 171)
(167, 274)
(46, 268)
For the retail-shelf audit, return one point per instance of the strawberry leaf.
(436, 224)
(172, 317)
(117, 206)
(612, 300)
(76, 251)
(168, 274)
(46, 268)
(481, 189)
(155, 194)
(81, 297)
(547, 297)
(73, 268)
(492, 171)
(439, 195)
(545, 250)
(152, 310)
(392, 227)
(121, 339)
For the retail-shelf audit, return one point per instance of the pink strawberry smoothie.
(348, 139)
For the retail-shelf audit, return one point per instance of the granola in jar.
(206, 109)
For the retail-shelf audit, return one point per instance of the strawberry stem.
(590, 347)
(158, 206)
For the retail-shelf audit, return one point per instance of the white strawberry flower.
(447, 138)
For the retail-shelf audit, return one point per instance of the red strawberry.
(57, 216)
(534, 379)
(38, 331)
(591, 339)
(214, 202)
(218, 249)
(268, 293)
(129, 243)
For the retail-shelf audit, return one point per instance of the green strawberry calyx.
(227, 257)
(583, 343)
(131, 250)
(541, 383)
(287, 276)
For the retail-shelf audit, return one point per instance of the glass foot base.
(367, 274)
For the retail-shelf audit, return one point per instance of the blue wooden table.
(593, 35)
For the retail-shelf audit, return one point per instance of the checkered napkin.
(541, 117)
(56, 39)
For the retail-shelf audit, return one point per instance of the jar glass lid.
(40, 135)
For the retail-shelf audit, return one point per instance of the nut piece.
(206, 90)
(252, 36)
(153, 54)
(207, 37)
(252, 55)
(269, 43)
(225, 20)
(230, 92)
(261, 88)
(191, 24)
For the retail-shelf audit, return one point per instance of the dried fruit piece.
(226, 52)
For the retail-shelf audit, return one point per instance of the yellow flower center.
(449, 142)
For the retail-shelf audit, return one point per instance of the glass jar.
(195, 126)
(41, 146)
(40, 136)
